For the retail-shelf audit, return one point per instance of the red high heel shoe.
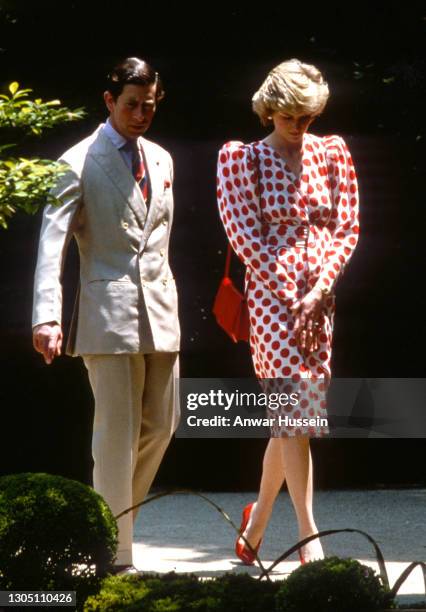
(242, 551)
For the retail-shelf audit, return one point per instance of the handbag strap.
(228, 260)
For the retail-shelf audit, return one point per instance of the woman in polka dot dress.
(289, 205)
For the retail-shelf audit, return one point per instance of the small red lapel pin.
(166, 184)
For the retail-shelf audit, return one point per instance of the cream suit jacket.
(127, 301)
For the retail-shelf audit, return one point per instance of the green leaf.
(25, 184)
(6, 146)
(13, 87)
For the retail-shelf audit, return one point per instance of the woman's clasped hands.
(307, 314)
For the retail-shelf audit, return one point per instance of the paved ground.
(186, 534)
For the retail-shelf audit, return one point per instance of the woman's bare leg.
(286, 458)
(273, 477)
(297, 461)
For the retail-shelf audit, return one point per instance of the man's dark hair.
(133, 70)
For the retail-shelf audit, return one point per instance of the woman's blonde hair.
(293, 87)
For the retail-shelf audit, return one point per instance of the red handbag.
(230, 307)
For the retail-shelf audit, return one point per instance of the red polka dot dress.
(292, 233)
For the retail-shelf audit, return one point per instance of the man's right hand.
(47, 340)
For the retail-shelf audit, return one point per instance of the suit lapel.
(109, 158)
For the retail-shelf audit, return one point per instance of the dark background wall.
(212, 59)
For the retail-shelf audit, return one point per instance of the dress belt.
(304, 235)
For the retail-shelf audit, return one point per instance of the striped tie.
(138, 169)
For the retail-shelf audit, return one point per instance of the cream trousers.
(136, 413)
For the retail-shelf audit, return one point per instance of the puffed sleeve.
(343, 223)
(239, 209)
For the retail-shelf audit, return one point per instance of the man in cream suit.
(116, 200)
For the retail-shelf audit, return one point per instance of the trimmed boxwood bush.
(333, 585)
(55, 533)
(185, 592)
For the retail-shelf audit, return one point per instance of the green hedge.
(329, 585)
(55, 533)
(184, 592)
(333, 585)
